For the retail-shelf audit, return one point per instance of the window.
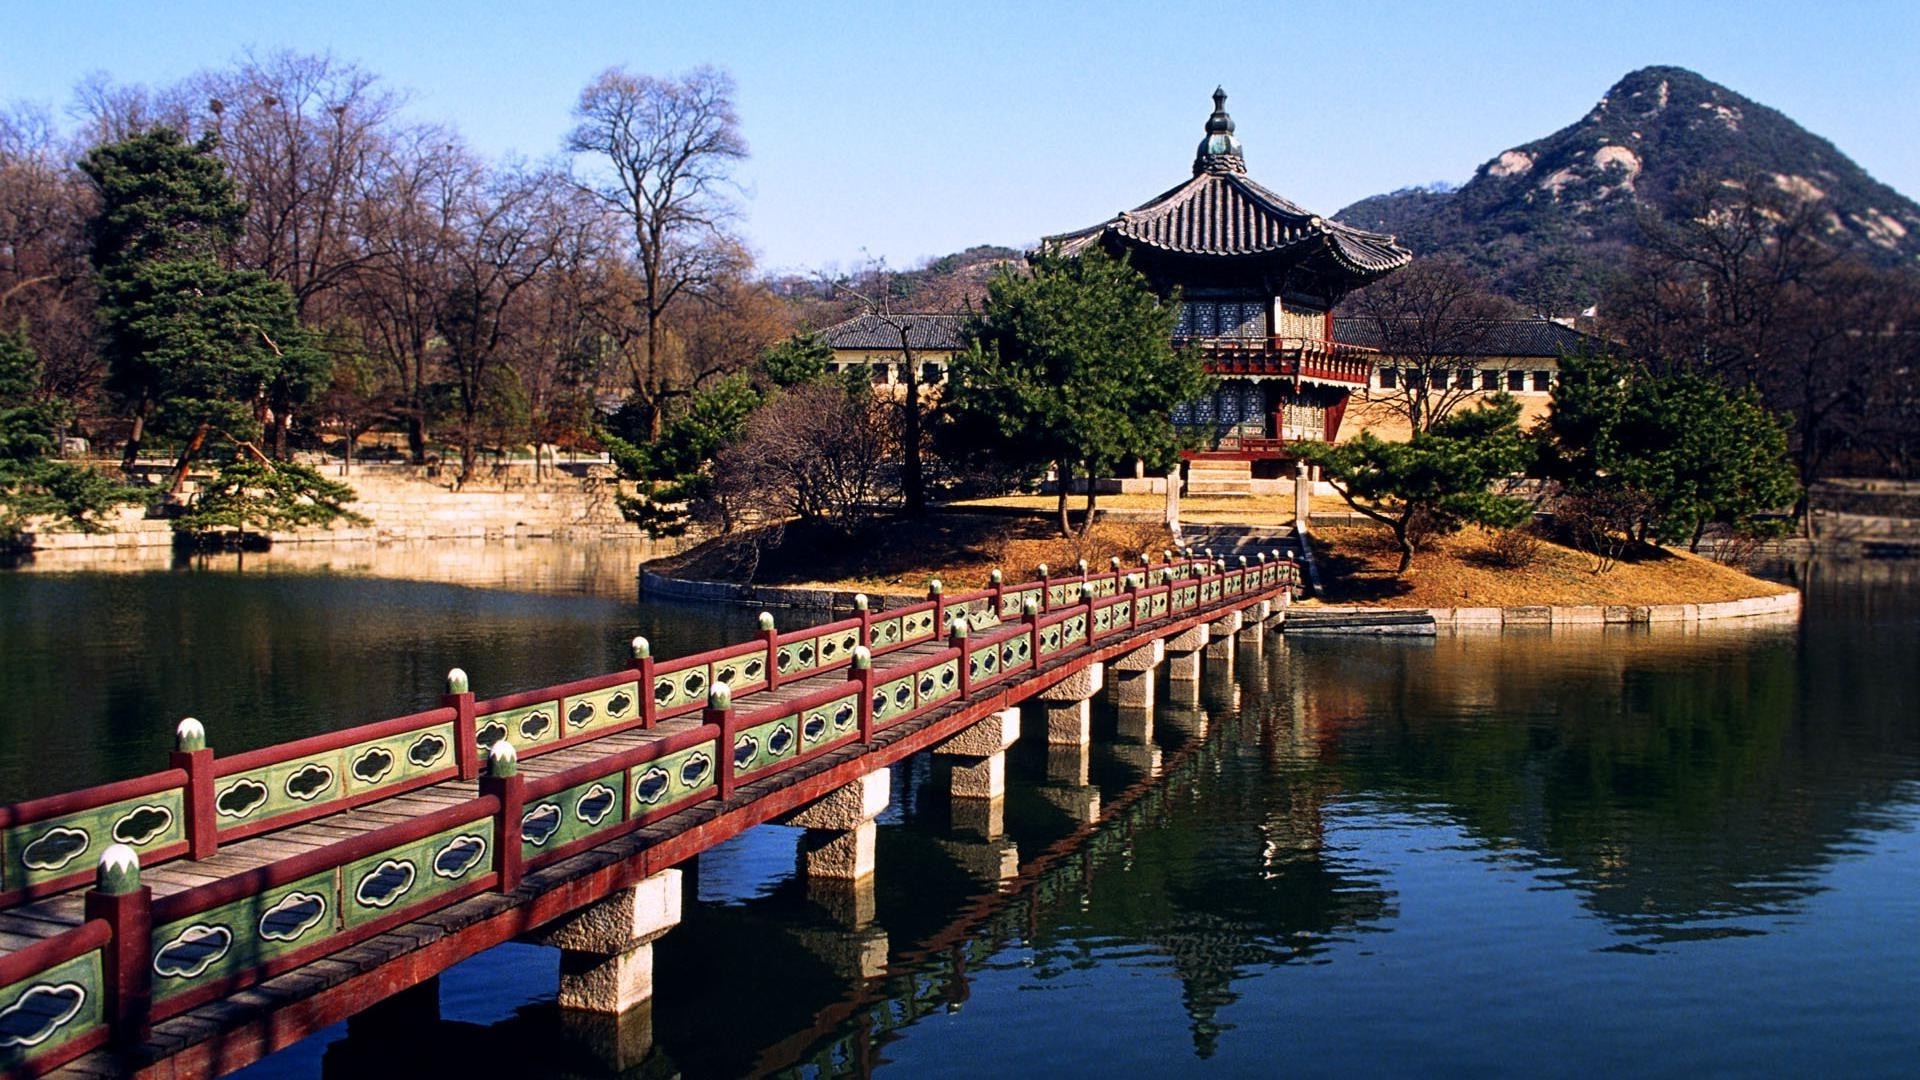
(1183, 327)
(880, 374)
(930, 373)
(1543, 381)
(1489, 379)
(1389, 378)
(1439, 378)
(1516, 380)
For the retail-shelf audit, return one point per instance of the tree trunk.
(1406, 547)
(193, 446)
(417, 434)
(913, 487)
(131, 454)
(1086, 524)
(1699, 530)
(1063, 474)
(279, 435)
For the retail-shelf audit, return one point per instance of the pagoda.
(1258, 278)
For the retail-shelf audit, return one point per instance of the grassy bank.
(1357, 563)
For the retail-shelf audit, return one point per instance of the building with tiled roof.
(1258, 278)
(874, 341)
(1516, 356)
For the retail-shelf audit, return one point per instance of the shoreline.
(1769, 609)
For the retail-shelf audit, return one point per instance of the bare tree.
(815, 454)
(1434, 321)
(874, 291)
(513, 230)
(411, 224)
(1740, 280)
(46, 280)
(657, 152)
(301, 135)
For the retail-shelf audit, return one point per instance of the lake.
(1659, 853)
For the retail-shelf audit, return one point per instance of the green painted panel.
(64, 845)
(983, 663)
(43, 1013)
(942, 680)
(1015, 652)
(524, 727)
(884, 631)
(601, 708)
(679, 688)
(838, 648)
(672, 779)
(742, 673)
(559, 819)
(402, 876)
(1051, 640)
(824, 725)
(1074, 629)
(917, 626)
(225, 941)
(766, 744)
(384, 762)
(798, 656)
(1060, 595)
(893, 697)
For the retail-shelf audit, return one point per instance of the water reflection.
(1391, 855)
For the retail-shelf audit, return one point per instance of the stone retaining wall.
(1543, 617)
(661, 587)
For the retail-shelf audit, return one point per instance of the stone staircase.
(1214, 477)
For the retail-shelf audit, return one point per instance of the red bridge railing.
(135, 959)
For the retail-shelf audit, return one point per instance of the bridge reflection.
(1671, 805)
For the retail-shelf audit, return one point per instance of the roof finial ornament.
(1219, 151)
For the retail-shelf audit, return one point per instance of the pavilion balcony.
(1315, 359)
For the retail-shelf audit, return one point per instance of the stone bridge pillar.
(606, 950)
(1220, 634)
(1133, 675)
(1069, 785)
(1253, 628)
(839, 842)
(1066, 704)
(1183, 654)
(980, 753)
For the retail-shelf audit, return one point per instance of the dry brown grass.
(960, 549)
(1357, 564)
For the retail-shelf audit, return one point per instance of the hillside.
(1549, 217)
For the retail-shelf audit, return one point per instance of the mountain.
(1550, 218)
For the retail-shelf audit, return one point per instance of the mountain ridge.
(1553, 217)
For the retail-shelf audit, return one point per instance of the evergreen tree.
(676, 469)
(1684, 451)
(193, 346)
(1071, 366)
(33, 483)
(1437, 482)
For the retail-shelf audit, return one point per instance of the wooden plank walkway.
(220, 999)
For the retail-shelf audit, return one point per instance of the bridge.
(194, 920)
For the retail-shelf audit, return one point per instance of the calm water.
(1668, 854)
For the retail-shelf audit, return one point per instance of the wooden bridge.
(194, 920)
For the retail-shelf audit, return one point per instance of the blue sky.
(907, 130)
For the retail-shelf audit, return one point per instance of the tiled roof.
(935, 332)
(1503, 337)
(1226, 214)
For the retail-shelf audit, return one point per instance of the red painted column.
(642, 663)
(957, 639)
(719, 712)
(466, 749)
(190, 754)
(126, 906)
(504, 782)
(934, 593)
(1046, 592)
(999, 586)
(863, 674)
(861, 605)
(768, 635)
